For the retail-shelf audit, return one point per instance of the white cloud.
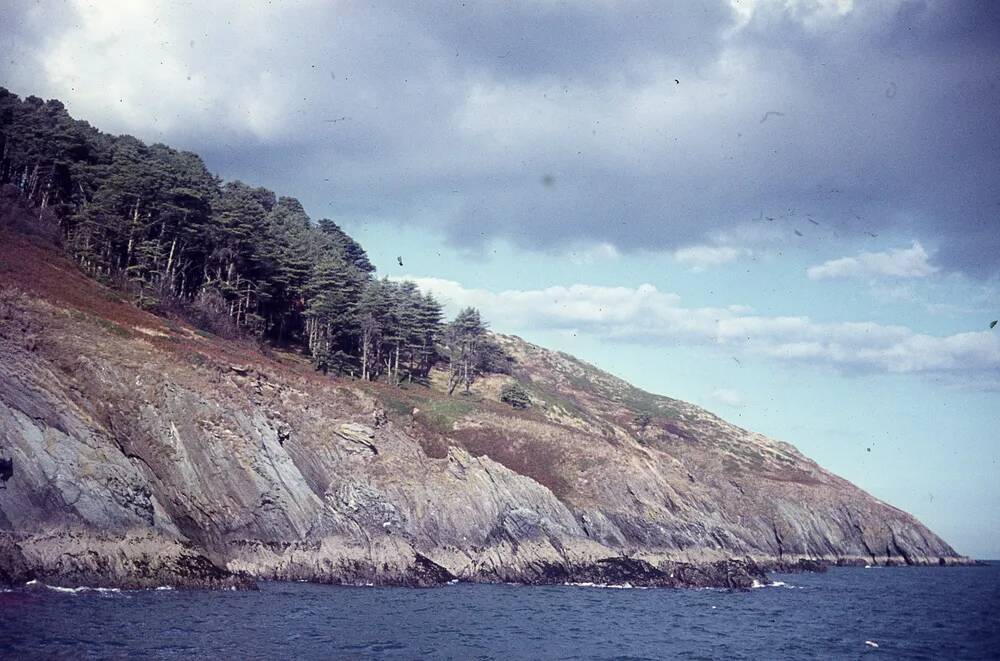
(913, 262)
(154, 75)
(600, 252)
(646, 315)
(704, 256)
(732, 398)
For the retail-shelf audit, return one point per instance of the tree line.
(231, 258)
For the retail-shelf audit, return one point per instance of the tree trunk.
(131, 233)
(364, 356)
(395, 378)
(170, 265)
(246, 307)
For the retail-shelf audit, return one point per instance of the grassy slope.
(574, 402)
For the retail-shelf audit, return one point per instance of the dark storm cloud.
(581, 41)
(906, 96)
(642, 126)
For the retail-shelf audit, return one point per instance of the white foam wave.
(774, 584)
(607, 586)
(57, 588)
(77, 590)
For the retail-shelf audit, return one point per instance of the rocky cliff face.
(146, 453)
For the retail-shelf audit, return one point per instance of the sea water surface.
(909, 613)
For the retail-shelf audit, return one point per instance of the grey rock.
(140, 466)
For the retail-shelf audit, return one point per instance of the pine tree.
(465, 337)
(333, 292)
(155, 222)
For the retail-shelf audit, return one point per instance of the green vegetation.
(513, 393)
(230, 258)
(106, 324)
(442, 414)
(642, 422)
(397, 407)
(649, 404)
(471, 351)
(113, 328)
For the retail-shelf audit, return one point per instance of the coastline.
(84, 561)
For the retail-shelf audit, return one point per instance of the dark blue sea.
(909, 613)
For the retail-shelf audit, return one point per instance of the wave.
(775, 584)
(607, 586)
(77, 590)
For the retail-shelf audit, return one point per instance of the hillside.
(148, 453)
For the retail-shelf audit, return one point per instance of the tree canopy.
(230, 257)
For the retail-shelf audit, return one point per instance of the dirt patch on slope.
(46, 274)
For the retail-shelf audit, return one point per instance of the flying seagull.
(993, 324)
(400, 260)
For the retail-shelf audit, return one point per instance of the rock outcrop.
(148, 454)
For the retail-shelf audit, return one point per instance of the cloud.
(600, 252)
(646, 315)
(913, 262)
(731, 398)
(704, 256)
(661, 124)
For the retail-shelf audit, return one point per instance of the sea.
(845, 613)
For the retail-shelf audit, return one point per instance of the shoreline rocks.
(79, 560)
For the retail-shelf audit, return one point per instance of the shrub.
(514, 394)
(208, 312)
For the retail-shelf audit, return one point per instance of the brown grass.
(539, 461)
(43, 272)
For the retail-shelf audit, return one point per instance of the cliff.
(148, 453)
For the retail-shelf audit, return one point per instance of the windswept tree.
(348, 247)
(465, 337)
(231, 258)
(423, 342)
(332, 292)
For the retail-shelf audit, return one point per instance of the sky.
(785, 211)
